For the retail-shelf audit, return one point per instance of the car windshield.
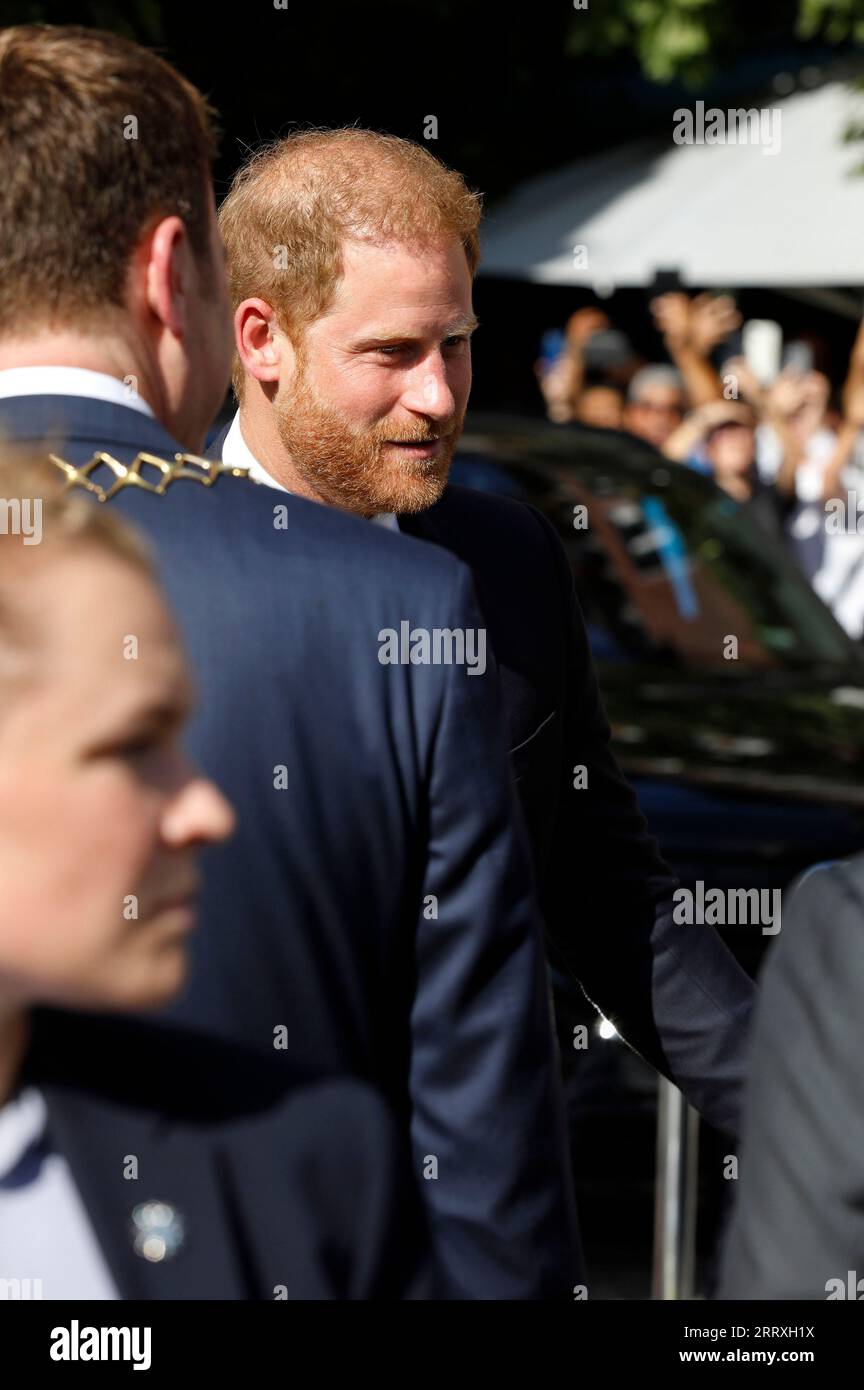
(668, 568)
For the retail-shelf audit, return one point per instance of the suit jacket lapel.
(177, 1167)
(217, 444)
(422, 525)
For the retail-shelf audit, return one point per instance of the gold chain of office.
(188, 466)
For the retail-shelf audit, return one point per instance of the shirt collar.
(236, 453)
(22, 1127)
(70, 381)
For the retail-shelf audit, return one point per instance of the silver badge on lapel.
(158, 1231)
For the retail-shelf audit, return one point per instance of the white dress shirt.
(237, 454)
(47, 1245)
(70, 381)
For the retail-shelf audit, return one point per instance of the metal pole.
(675, 1192)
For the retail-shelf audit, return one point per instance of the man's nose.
(198, 814)
(428, 392)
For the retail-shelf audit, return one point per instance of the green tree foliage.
(691, 39)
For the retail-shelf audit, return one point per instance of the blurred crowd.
(777, 435)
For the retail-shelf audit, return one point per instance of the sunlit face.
(602, 407)
(658, 411)
(731, 449)
(371, 414)
(815, 391)
(102, 814)
(559, 384)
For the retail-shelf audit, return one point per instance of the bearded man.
(351, 258)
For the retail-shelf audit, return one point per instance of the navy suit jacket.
(675, 992)
(374, 913)
(278, 1188)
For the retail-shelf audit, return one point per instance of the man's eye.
(455, 342)
(137, 747)
(390, 351)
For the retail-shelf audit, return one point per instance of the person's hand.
(715, 413)
(699, 324)
(788, 394)
(794, 406)
(559, 384)
(584, 324)
(853, 403)
(672, 319)
(713, 317)
(816, 391)
(747, 382)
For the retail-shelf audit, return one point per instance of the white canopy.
(721, 214)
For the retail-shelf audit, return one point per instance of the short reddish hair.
(294, 203)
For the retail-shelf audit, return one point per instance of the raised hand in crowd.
(852, 422)
(691, 329)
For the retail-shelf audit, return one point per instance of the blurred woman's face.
(558, 386)
(731, 449)
(601, 407)
(102, 815)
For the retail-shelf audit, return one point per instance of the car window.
(671, 570)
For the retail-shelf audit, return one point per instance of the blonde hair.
(293, 204)
(66, 520)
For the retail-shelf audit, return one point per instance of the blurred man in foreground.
(103, 821)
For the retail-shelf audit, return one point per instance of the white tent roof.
(724, 214)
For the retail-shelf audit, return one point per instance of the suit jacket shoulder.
(477, 523)
(798, 1222)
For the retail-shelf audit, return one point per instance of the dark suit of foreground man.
(374, 912)
(138, 1161)
(797, 1228)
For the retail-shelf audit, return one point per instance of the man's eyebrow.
(466, 325)
(463, 325)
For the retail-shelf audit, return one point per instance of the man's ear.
(169, 278)
(264, 350)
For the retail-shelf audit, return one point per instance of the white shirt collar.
(22, 1125)
(236, 453)
(70, 381)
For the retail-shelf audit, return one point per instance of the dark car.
(737, 708)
